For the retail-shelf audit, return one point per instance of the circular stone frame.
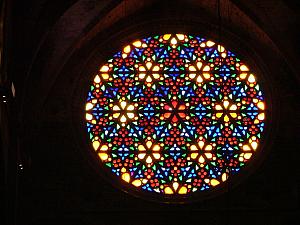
(109, 43)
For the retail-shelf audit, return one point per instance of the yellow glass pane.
(224, 55)
(156, 148)
(149, 159)
(104, 148)
(208, 155)
(233, 107)
(246, 148)
(105, 76)
(141, 148)
(148, 144)
(221, 48)
(156, 155)
(243, 75)
(97, 79)
(123, 104)
(210, 43)
(251, 78)
(104, 68)
(192, 68)
(233, 115)
(201, 144)
(116, 108)
(208, 147)
(218, 115)
(199, 79)
(247, 155)
(206, 68)
(155, 75)
(103, 156)
(199, 65)
(244, 68)
(141, 155)
(166, 37)
(142, 75)
(127, 49)
(254, 145)
(261, 116)
(224, 176)
(175, 186)
(130, 115)
(261, 105)
(88, 106)
(201, 159)
(214, 182)
(192, 75)
(206, 75)
(148, 65)
(142, 69)
(218, 107)
(173, 41)
(182, 190)
(226, 104)
(155, 68)
(137, 183)
(126, 177)
(137, 44)
(194, 155)
(180, 36)
(116, 115)
(130, 107)
(88, 116)
(149, 79)
(123, 119)
(96, 145)
(226, 118)
(194, 148)
(168, 191)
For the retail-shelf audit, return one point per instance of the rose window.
(174, 115)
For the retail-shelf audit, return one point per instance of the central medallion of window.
(174, 115)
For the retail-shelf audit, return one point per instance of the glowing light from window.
(175, 114)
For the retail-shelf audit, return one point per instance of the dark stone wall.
(55, 48)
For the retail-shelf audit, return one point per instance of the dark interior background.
(51, 49)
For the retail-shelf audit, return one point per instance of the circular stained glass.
(174, 115)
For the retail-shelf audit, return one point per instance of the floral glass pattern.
(174, 114)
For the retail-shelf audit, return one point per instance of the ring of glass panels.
(174, 114)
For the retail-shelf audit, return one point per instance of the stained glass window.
(174, 115)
